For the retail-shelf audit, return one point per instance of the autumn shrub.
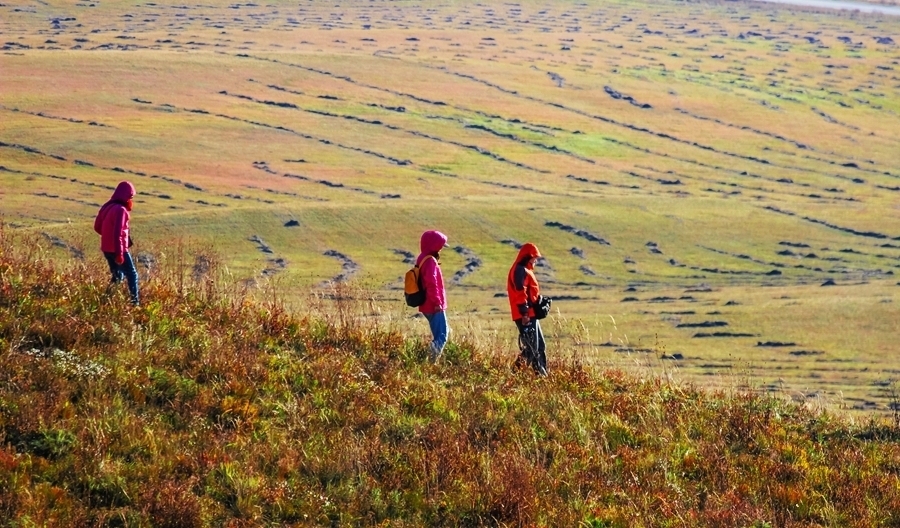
(212, 404)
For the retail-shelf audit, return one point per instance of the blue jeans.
(438, 323)
(125, 270)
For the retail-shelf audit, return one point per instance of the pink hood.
(124, 192)
(430, 243)
(112, 222)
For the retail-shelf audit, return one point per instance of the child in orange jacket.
(524, 296)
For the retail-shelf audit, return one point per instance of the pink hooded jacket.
(430, 272)
(112, 220)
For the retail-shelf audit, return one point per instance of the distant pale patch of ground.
(878, 2)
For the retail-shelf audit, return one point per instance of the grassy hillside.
(208, 406)
(711, 182)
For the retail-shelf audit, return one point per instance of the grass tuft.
(210, 405)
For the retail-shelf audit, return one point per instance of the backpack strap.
(419, 267)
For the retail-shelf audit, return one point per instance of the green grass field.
(695, 173)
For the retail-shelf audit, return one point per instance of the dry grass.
(212, 406)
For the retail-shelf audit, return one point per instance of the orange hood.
(528, 250)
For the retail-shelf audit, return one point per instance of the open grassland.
(714, 184)
(208, 407)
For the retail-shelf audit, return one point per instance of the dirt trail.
(273, 264)
(349, 268)
(473, 262)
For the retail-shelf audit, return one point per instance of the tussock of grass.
(206, 406)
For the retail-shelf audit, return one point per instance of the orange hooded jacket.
(521, 284)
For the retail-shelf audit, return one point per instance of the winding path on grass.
(120, 170)
(473, 262)
(848, 165)
(287, 130)
(868, 234)
(416, 133)
(462, 122)
(349, 267)
(264, 166)
(635, 128)
(274, 264)
(58, 118)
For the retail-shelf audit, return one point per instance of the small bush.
(206, 406)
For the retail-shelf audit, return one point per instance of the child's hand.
(120, 259)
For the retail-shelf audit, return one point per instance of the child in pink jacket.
(435, 306)
(112, 224)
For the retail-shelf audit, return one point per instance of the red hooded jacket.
(430, 272)
(521, 284)
(112, 220)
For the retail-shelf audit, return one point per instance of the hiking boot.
(434, 353)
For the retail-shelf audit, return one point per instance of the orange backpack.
(412, 287)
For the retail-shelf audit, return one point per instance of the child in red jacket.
(112, 224)
(435, 306)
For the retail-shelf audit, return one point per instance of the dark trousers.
(125, 270)
(532, 345)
